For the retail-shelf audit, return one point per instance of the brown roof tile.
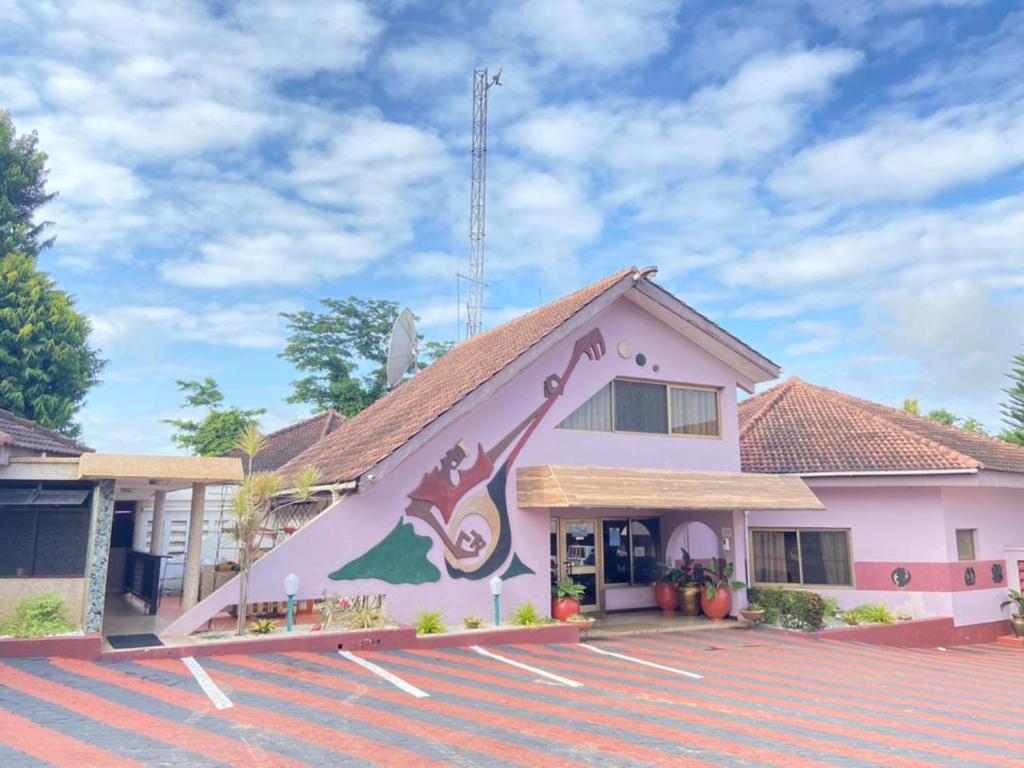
(22, 433)
(288, 442)
(385, 426)
(798, 427)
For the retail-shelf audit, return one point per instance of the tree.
(219, 429)
(333, 346)
(912, 406)
(46, 364)
(942, 416)
(22, 191)
(1013, 408)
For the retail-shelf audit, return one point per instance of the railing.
(142, 577)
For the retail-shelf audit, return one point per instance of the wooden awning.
(193, 469)
(561, 487)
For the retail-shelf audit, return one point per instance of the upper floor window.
(965, 540)
(625, 405)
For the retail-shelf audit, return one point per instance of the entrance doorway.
(575, 552)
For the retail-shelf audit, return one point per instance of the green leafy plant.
(831, 606)
(365, 612)
(263, 626)
(430, 623)
(790, 608)
(38, 617)
(720, 576)
(473, 622)
(1015, 598)
(869, 613)
(567, 588)
(527, 615)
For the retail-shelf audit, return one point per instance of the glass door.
(579, 552)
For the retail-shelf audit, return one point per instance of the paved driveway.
(697, 698)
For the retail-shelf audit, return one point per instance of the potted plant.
(688, 586)
(753, 613)
(715, 600)
(583, 622)
(565, 599)
(665, 589)
(1017, 619)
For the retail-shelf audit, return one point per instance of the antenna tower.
(478, 201)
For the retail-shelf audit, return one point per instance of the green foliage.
(38, 617)
(220, 429)
(1013, 408)
(1015, 598)
(263, 626)
(366, 612)
(831, 606)
(719, 575)
(46, 364)
(869, 613)
(473, 622)
(942, 416)
(22, 191)
(567, 588)
(790, 608)
(527, 615)
(430, 623)
(912, 406)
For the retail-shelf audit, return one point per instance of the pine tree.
(1013, 409)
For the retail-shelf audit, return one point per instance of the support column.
(99, 555)
(156, 541)
(194, 549)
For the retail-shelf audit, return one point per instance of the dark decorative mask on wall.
(900, 577)
(997, 573)
(970, 578)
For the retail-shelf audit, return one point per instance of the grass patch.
(40, 616)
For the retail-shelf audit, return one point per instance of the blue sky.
(840, 184)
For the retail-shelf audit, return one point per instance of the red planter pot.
(718, 607)
(562, 609)
(667, 597)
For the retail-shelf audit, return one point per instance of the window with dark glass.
(632, 550)
(640, 407)
(45, 532)
(819, 557)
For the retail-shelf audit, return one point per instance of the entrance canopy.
(555, 486)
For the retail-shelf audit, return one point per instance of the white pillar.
(194, 548)
(156, 540)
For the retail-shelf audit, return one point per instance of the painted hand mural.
(466, 507)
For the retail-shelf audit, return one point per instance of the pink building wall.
(360, 521)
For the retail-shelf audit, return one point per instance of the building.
(926, 518)
(597, 434)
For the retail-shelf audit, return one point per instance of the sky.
(841, 184)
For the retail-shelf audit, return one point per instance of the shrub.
(527, 615)
(473, 622)
(263, 626)
(831, 606)
(365, 613)
(430, 623)
(38, 617)
(789, 608)
(869, 613)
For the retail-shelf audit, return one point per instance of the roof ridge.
(299, 423)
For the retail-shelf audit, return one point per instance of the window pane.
(694, 412)
(62, 541)
(826, 557)
(641, 407)
(579, 543)
(616, 551)
(965, 544)
(646, 543)
(595, 414)
(17, 544)
(776, 560)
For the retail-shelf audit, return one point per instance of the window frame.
(632, 583)
(974, 544)
(752, 575)
(669, 386)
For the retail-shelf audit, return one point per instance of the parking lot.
(724, 697)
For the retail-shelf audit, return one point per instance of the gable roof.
(390, 423)
(23, 433)
(288, 442)
(801, 428)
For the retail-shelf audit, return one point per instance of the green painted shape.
(399, 558)
(516, 568)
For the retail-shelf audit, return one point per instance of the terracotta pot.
(668, 599)
(689, 600)
(562, 609)
(1017, 622)
(753, 615)
(717, 608)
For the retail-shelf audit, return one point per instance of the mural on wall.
(465, 506)
(970, 577)
(997, 573)
(900, 577)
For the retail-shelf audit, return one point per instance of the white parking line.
(210, 688)
(543, 673)
(644, 662)
(395, 680)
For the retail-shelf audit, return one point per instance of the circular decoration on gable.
(625, 351)
(970, 577)
(997, 573)
(641, 359)
(900, 577)
(657, 368)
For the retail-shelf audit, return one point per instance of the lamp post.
(291, 587)
(496, 585)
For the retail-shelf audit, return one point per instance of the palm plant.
(720, 576)
(1017, 599)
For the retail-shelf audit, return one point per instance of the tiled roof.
(385, 426)
(22, 433)
(798, 427)
(285, 444)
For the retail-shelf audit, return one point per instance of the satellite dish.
(403, 348)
